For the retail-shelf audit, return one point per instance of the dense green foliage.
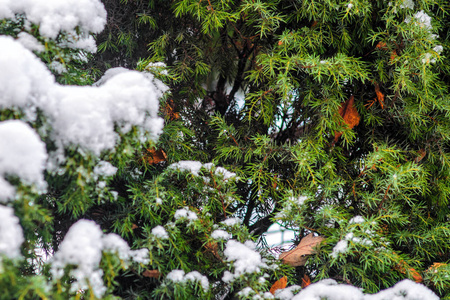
(260, 88)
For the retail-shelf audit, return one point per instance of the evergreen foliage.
(327, 117)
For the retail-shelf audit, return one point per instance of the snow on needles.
(82, 247)
(82, 116)
(11, 234)
(329, 289)
(22, 154)
(244, 257)
(195, 166)
(54, 16)
(194, 276)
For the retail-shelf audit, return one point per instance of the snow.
(82, 247)
(341, 247)
(30, 42)
(175, 275)
(54, 16)
(220, 234)
(195, 166)
(11, 234)
(232, 221)
(244, 257)
(185, 213)
(20, 67)
(404, 290)
(356, 220)
(188, 165)
(104, 168)
(81, 116)
(407, 4)
(422, 19)
(194, 276)
(287, 293)
(22, 154)
(160, 232)
(329, 289)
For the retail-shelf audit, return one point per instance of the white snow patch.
(232, 221)
(194, 276)
(244, 257)
(30, 42)
(341, 247)
(220, 234)
(54, 16)
(11, 233)
(22, 154)
(195, 166)
(82, 247)
(185, 213)
(160, 232)
(81, 116)
(356, 220)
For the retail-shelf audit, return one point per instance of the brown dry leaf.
(305, 281)
(393, 55)
(415, 275)
(350, 115)
(279, 284)
(381, 46)
(380, 95)
(154, 156)
(435, 266)
(169, 110)
(213, 247)
(151, 273)
(134, 226)
(401, 267)
(422, 154)
(298, 256)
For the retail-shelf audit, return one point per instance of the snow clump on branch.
(55, 16)
(11, 234)
(22, 154)
(80, 116)
(82, 247)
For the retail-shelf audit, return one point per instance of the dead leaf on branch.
(279, 284)
(305, 281)
(350, 115)
(154, 156)
(380, 95)
(404, 268)
(151, 273)
(298, 256)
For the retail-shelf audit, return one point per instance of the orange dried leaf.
(402, 266)
(213, 248)
(421, 154)
(305, 281)
(134, 226)
(299, 255)
(154, 156)
(436, 266)
(415, 275)
(350, 115)
(380, 95)
(381, 46)
(151, 273)
(393, 55)
(279, 284)
(169, 110)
